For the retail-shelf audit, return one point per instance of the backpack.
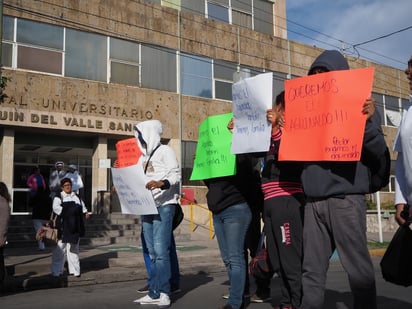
(380, 170)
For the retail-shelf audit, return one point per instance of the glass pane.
(124, 74)
(86, 55)
(405, 103)
(196, 74)
(244, 5)
(39, 60)
(223, 69)
(193, 6)
(8, 28)
(6, 54)
(391, 103)
(241, 19)
(379, 106)
(223, 90)
(158, 68)
(39, 34)
(124, 50)
(263, 17)
(217, 12)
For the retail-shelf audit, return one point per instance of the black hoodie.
(338, 179)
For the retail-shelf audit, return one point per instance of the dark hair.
(280, 99)
(64, 180)
(4, 192)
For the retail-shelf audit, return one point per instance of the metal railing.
(193, 204)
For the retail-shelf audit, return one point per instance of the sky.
(336, 24)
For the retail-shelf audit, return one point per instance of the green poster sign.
(213, 157)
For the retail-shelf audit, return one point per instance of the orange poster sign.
(128, 152)
(323, 116)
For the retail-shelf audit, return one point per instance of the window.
(217, 12)
(379, 106)
(39, 47)
(263, 16)
(392, 112)
(86, 55)
(196, 76)
(124, 62)
(8, 28)
(158, 68)
(223, 78)
(188, 152)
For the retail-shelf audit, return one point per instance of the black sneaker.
(261, 297)
(144, 289)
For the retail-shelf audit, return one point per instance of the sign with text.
(128, 152)
(213, 158)
(323, 116)
(130, 184)
(251, 98)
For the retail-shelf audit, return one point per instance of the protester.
(283, 212)
(335, 212)
(162, 168)
(75, 177)
(403, 168)
(40, 202)
(254, 199)
(71, 213)
(5, 200)
(55, 178)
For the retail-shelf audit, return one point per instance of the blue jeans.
(175, 276)
(231, 226)
(157, 231)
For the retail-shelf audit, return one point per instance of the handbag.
(396, 263)
(48, 232)
(260, 266)
(178, 217)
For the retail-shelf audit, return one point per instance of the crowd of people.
(308, 210)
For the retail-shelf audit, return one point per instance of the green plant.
(3, 84)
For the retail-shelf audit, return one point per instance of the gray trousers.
(337, 223)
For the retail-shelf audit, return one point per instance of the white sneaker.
(146, 300)
(164, 300)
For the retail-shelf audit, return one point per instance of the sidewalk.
(29, 268)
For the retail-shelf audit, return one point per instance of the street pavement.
(112, 274)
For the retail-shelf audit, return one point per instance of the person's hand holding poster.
(323, 116)
(251, 98)
(213, 158)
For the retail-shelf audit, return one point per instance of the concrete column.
(177, 147)
(99, 174)
(7, 157)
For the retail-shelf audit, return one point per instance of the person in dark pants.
(335, 211)
(5, 200)
(283, 212)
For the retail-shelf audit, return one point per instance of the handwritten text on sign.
(323, 115)
(252, 97)
(130, 186)
(213, 157)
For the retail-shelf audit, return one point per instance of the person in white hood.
(403, 167)
(162, 168)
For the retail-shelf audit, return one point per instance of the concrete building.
(82, 73)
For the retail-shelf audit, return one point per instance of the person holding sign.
(283, 212)
(335, 211)
(162, 168)
(403, 145)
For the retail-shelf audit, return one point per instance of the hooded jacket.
(159, 162)
(338, 179)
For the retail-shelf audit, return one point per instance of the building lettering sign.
(71, 116)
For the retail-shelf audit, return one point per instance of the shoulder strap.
(151, 155)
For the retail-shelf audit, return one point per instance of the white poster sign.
(130, 184)
(251, 98)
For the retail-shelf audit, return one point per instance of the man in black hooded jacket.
(335, 212)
